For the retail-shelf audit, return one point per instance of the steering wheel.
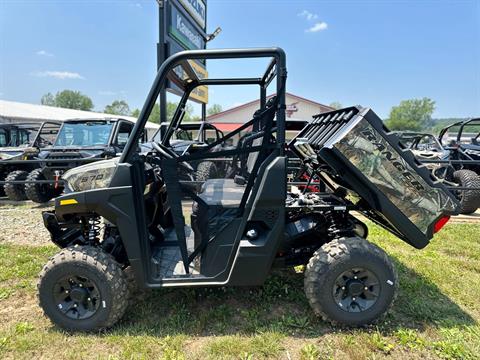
(170, 154)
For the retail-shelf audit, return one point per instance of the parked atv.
(462, 140)
(129, 215)
(193, 137)
(19, 144)
(426, 147)
(78, 142)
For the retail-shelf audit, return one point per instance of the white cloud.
(62, 75)
(44, 53)
(308, 15)
(319, 26)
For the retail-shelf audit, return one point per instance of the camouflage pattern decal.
(371, 153)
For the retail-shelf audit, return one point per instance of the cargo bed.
(351, 149)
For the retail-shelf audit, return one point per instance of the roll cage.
(275, 69)
(461, 124)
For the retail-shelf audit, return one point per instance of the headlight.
(91, 176)
(10, 154)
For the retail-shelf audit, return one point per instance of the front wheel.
(40, 192)
(350, 282)
(16, 192)
(469, 199)
(83, 288)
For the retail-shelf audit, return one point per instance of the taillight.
(440, 224)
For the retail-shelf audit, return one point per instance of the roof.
(24, 111)
(220, 114)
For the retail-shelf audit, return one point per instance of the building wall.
(297, 108)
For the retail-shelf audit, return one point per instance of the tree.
(171, 107)
(214, 109)
(336, 105)
(414, 114)
(48, 99)
(68, 99)
(118, 107)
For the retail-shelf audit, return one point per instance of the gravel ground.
(21, 222)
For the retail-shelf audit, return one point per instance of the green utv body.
(125, 225)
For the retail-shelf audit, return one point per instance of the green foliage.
(415, 115)
(214, 109)
(69, 99)
(310, 352)
(118, 107)
(336, 105)
(171, 107)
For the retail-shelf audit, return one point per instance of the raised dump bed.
(352, 149)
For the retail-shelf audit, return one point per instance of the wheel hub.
(78, 294)
(76, 297)
(356, 290)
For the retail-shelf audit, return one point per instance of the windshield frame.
(112, 123)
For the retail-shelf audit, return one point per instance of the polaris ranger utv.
(193, 137)
(427, 148)
(21, 142)
(464, 148)
(78, 142)
(130, 216)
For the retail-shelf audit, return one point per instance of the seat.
(222, 192)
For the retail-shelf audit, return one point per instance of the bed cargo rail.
(351, 148)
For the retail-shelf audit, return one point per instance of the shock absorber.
(338, 224)
(92, 229)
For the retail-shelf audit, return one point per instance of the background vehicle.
(427, 148)
(194, 136)
(130, 216)
(77, 142)
(20, 143)
(461, 139)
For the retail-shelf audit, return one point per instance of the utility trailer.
(21, 143)
(124, 227)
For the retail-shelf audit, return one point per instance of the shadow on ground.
(278, 306)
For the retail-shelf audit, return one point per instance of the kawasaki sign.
(197, 9)
(182, 30)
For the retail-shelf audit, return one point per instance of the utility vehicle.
(193, 136)
(78, 141)
(462, 139)
(129, 216)
(18, 144)
(426, 147)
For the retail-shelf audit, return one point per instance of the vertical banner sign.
(183, 28)
(197, 9)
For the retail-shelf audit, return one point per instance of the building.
(17, 112)
(299, 111)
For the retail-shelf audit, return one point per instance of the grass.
(436, 314)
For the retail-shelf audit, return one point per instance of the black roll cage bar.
(460, 130)
(276, 68)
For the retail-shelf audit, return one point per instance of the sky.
(371, 53)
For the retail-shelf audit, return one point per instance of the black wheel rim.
(76, 297)
(356, 290)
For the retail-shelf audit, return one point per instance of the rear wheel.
(469, 199)
(16, 192)
(83, 288)
(206, 170)
(40, 193)
(350, 282)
